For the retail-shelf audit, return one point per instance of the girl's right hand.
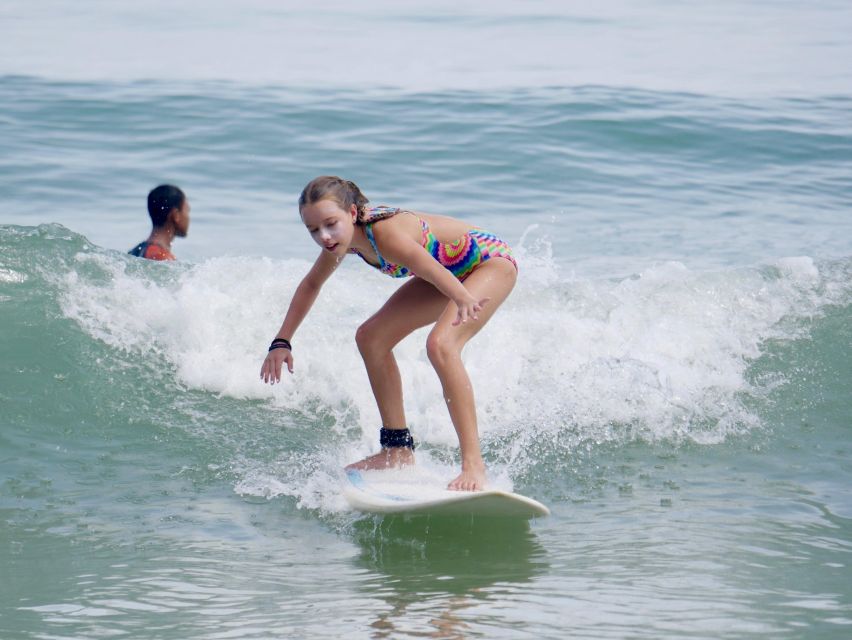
(270, 372)
(469, 309)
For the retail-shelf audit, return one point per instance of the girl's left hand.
(469, 309)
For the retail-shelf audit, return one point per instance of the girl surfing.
(458, 276)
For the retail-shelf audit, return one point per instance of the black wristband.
(395, 438)
(280, 343)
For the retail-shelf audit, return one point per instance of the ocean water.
(671, 375)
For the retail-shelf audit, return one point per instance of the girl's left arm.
(399, 247)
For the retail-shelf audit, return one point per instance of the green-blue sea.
(672, 375)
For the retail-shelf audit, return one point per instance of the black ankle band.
(394, 438)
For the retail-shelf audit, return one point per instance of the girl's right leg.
(415, 304)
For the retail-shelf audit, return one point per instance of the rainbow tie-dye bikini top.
(460, 257)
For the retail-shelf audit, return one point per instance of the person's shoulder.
(156, 252)
(399, 228)
(151, 251)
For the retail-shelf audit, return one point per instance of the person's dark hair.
(344, 192)
(162, 200)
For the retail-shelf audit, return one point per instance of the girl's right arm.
(303, 299)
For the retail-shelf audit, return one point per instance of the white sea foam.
(666, 351)
(663, 354)
(10, 276)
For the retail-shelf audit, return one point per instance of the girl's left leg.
(494, 280)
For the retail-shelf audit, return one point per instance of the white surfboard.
(393, 492)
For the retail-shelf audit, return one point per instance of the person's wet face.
(180, 218)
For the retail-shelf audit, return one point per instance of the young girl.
(460, 275)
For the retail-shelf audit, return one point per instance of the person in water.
(169, 211)
(459, 276)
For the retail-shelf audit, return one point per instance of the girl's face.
(330, 226)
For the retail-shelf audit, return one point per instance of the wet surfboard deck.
(391, 492)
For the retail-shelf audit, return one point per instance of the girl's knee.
(367, 336)
(441, 348)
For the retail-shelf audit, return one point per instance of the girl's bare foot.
(472, 478)
(391, 458)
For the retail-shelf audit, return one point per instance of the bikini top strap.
(377, 214)
(368, 229)
(380, 212)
